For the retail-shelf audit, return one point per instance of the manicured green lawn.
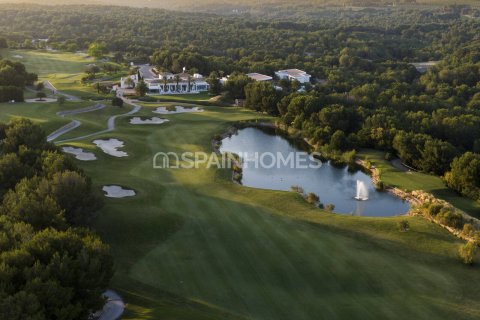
(419, 181)
(184, 97)
(63, 69)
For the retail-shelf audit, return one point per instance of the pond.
(266, 165)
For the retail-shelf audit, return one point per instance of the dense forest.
(51, 265)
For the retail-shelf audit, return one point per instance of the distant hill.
(211, 4)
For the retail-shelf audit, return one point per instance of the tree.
(61, 100)
(29, 203)
(23, 134)
(52, 274)
(236, 84)
(141, 89)
(40, 86)
(118, 102)
(215, 87)
(129, 82)
(338, 141)
(65, 188)
(261, 96)
(467, 251)
(464, 175)
(3, 43)
(403, 225)
(40, 96)
(177, 81)
(97, 49)
(92, 69)
(312, 198)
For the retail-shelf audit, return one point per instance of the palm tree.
(177, 80)
(165, 82)
(189, 80)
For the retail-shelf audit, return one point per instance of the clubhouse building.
(294, 74)
(167, 83)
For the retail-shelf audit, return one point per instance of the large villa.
(166, 82)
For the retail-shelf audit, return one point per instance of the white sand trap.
(179, 109)
(80, 154)
(43, 100)
(17, 56)
(111, 147)
(154, 120)
(117, 192)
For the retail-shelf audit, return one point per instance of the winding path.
(69, 97)
(76, 123)
(110, 122)
(66, 128)
(113, 308)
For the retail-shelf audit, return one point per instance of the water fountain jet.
(362, 191)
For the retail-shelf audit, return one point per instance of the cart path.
(50, 86)
(110, 122)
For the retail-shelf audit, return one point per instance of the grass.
(63, 69)
(193, 245)
(184, 97)
(419, 181)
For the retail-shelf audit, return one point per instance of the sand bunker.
(111, 147)
(178, 109)
(17, 56)
(154, 120)
(43, 100)
(117, 192)
(80, 154)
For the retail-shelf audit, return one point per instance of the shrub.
(148, 99)
(171, 108)
(8, 93)
(297, 189)
(467, 251)
(388, 156)
(330, 207)
(434, 208)
(379, 185)
(312, 198)
(403, 225)
(117, 102)
(449, 217)
(237, 177)
(61, 100)
(468, 230)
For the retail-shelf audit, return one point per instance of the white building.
(294, 74)
(259, 77)
(129, 84)
(169, 83)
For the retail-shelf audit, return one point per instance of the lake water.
(260, 150)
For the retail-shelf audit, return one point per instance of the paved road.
(398, 164)
(69, 97)
(110, 122)
(66, 128)
(75, 123)
(96, 107)
(113, 309)
(146, 72)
